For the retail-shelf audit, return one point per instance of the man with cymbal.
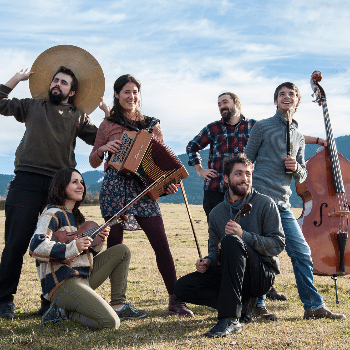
(54, 118)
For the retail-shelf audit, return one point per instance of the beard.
(56, 99)
(241, 192)
(228, 113)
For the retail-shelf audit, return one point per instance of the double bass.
(325, 217)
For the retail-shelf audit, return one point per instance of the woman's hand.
(111, 146)
(104, 107)
(84, 243)
(105, 233)
(172, 188)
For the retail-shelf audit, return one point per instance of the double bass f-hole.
(320, 223)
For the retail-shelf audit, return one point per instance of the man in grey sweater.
(249, 245)
(52, 126)
(274, 169)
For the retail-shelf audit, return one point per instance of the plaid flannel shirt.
(224, 140)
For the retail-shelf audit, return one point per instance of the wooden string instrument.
(91, 229)
(325, 217)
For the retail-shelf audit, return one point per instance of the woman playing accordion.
(118, 188)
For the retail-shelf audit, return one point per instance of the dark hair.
(58, 195)
(235, 99)
(230, 162)
(117, 113)
(75, 82)
(289, 86)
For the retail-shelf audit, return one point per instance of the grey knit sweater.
(262, 228)
(267, 146)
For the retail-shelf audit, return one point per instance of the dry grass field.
(159, 331)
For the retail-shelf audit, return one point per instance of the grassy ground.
(159, 331)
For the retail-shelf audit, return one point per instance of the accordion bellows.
(147, 158)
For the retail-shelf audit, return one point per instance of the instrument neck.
(333, 153)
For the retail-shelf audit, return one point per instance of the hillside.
(194, 184)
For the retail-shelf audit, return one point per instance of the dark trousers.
(210, 200)
(26, 199)
(153, 227)
(242, 275)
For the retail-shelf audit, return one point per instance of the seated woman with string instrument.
(70, 270)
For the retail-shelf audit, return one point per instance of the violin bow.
(191, 221)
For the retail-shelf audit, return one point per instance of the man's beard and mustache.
(56, 99)
(240, 192)
(228, 113)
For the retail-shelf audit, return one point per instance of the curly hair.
(230, 162)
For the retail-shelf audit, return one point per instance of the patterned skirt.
(117, 191)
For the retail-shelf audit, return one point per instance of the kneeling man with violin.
(245, 237)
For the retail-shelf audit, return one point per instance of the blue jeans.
(299, 252)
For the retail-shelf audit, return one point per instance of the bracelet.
(317, 141)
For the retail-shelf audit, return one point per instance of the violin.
(86, 229)
(325, 217)
(92, 230)
(247, 207)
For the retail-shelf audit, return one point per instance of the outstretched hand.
(103, 106)
(22, 75)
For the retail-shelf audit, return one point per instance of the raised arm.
(22, 75)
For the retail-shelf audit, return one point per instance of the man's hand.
(202, 265)
(233, 228)
(290, 163)
(19, 76)
(206, 173)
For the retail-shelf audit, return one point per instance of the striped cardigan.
(51, 256)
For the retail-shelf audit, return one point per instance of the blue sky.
(185, 53)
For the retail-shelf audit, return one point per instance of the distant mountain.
(194, 184)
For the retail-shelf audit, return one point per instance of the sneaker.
(53, 315)
(129, 312)
(224, 327)
(178, 307)
(272, 294)
(7, 309)
(322, 313)
(264, 313)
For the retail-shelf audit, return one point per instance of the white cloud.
(186, 53)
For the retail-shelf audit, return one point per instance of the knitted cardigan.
(51, 256)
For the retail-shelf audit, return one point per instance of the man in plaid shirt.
(227, 136)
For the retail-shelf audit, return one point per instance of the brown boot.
(264, 313)
(322, 313)
(178, 307)
(274, 295)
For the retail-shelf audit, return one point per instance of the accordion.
(148, 159)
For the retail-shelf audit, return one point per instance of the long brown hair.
(58, 195)
(117, 114)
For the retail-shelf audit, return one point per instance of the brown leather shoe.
(322, 313)
(178, 307)
(274, 295)
(264, 313)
